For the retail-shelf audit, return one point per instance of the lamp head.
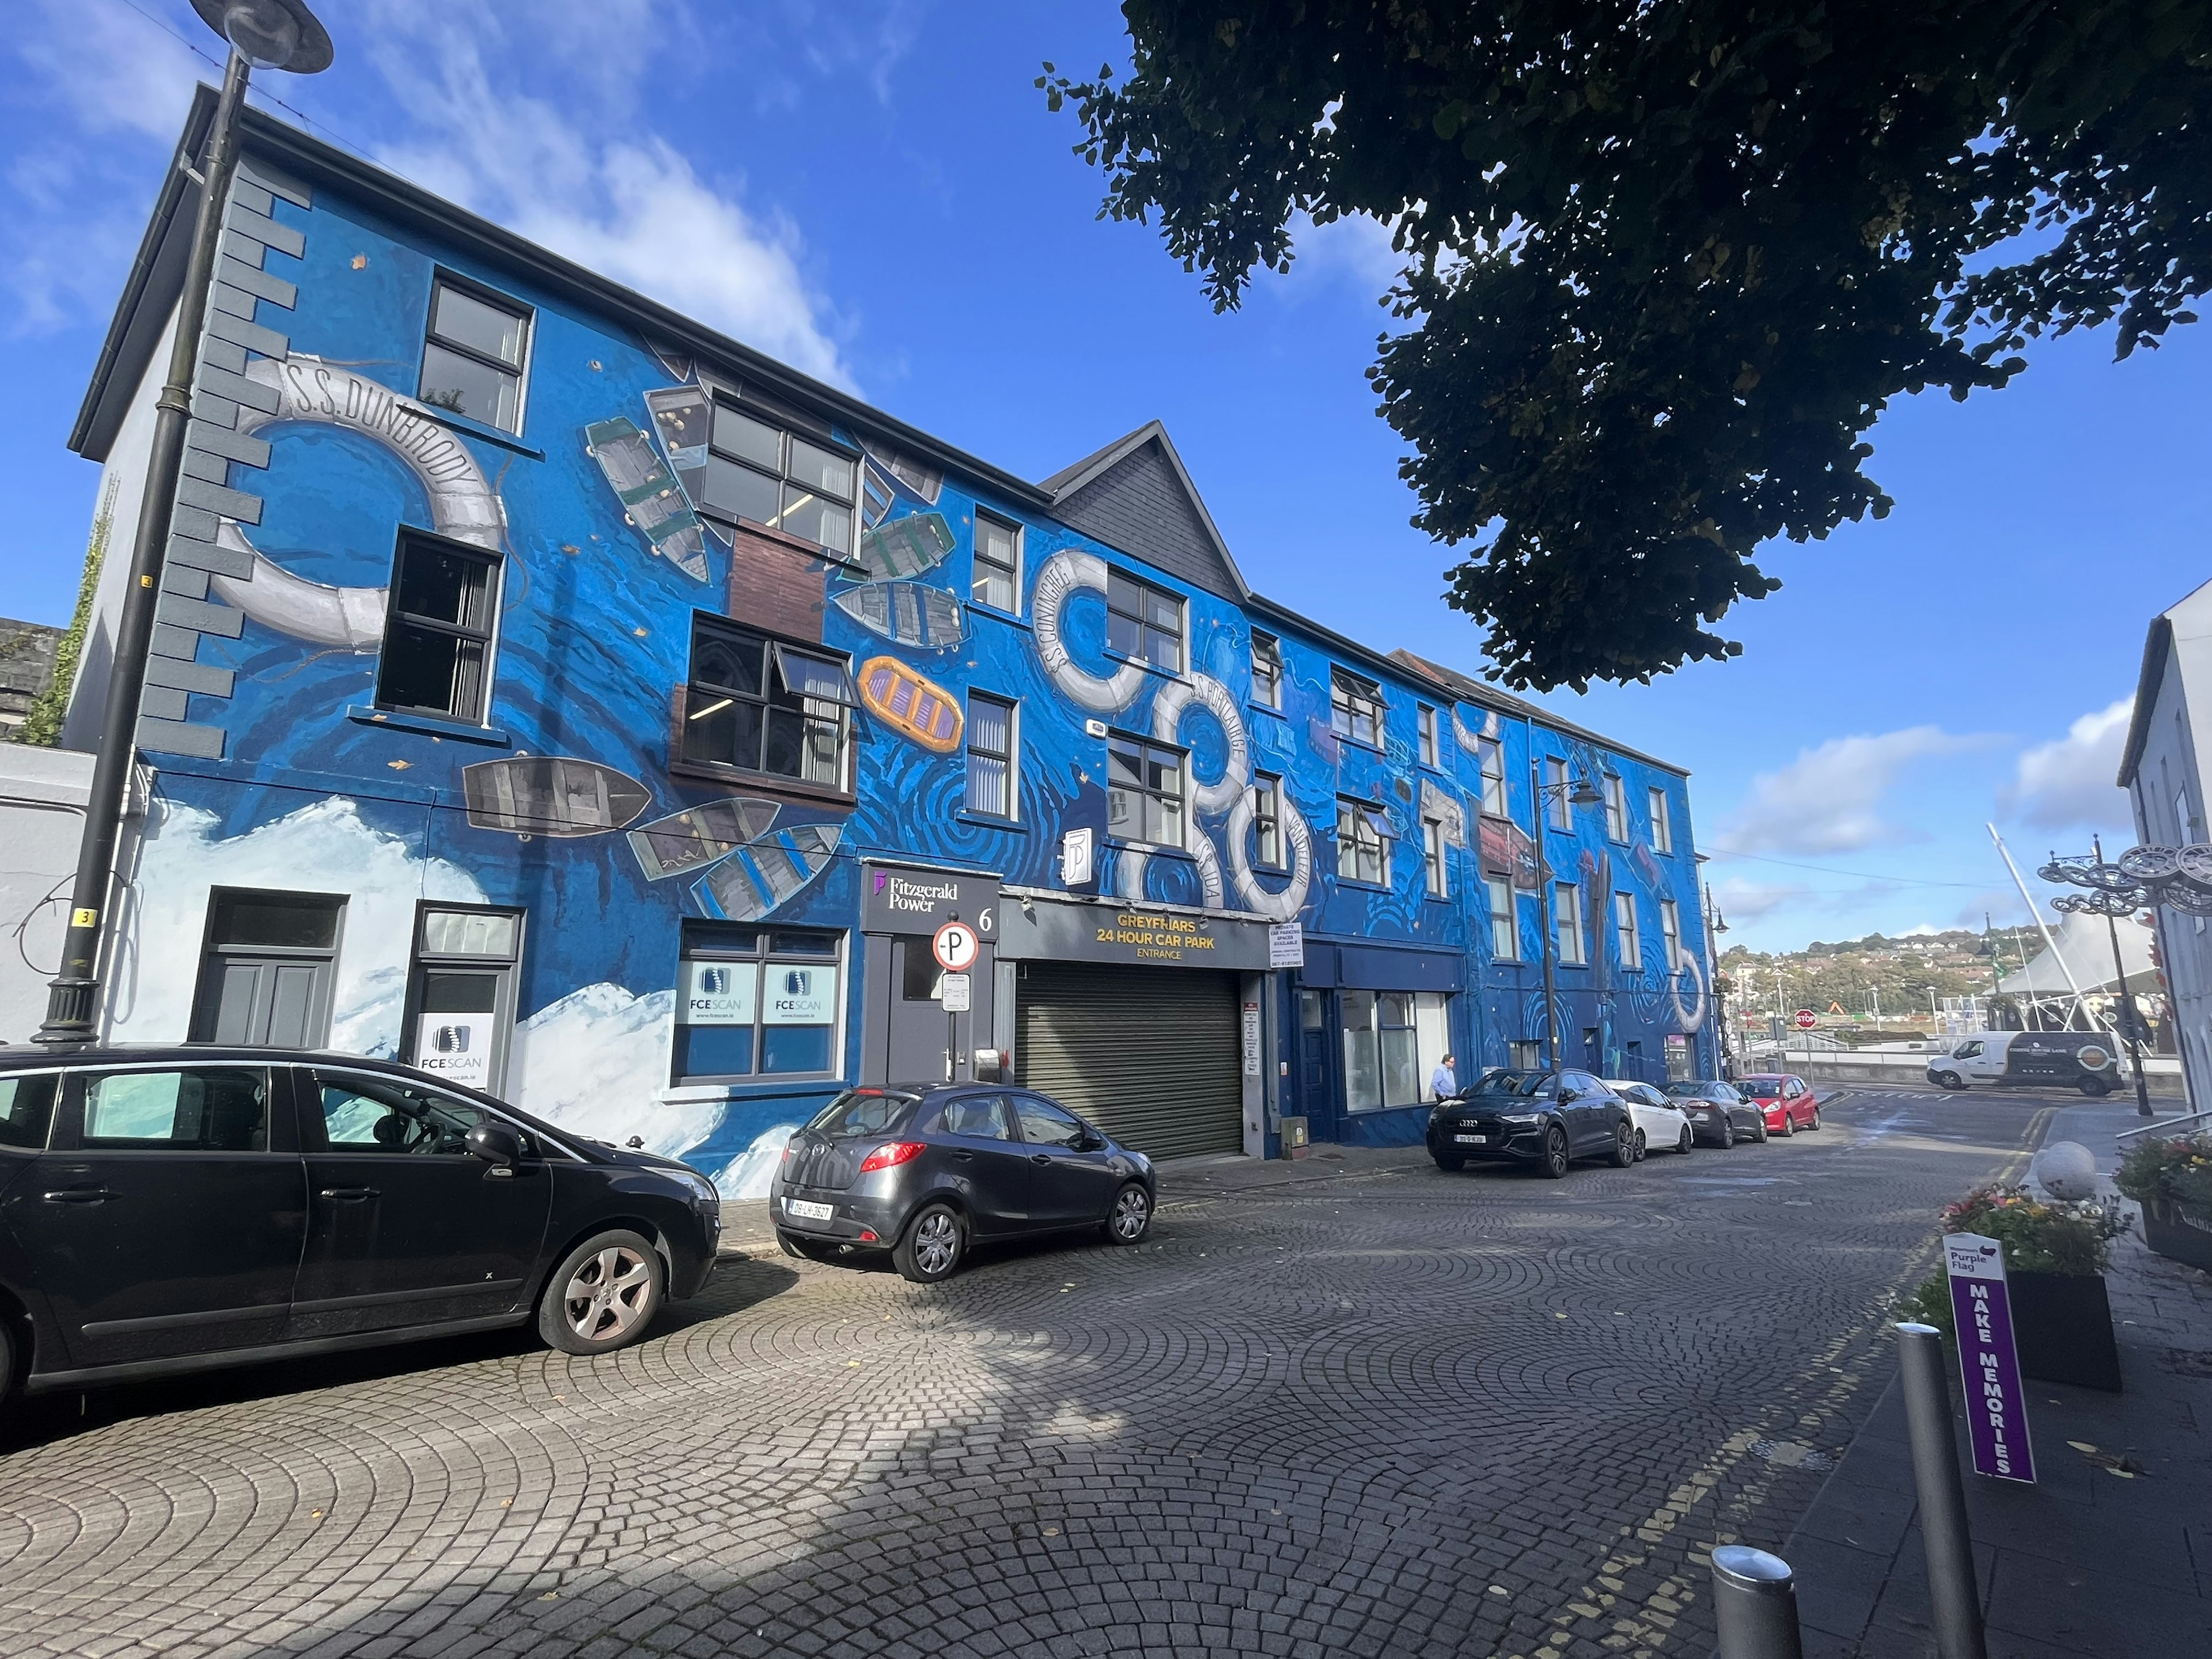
(281, 34)
(1584, 793)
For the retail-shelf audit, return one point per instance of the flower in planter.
(2038, 1235)
(2176, 1170)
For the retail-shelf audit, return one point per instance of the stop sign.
(1806, 1019)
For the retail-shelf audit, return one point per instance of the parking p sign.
(955, 946)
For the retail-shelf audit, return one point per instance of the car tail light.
(890, 1155)
(868, 1236)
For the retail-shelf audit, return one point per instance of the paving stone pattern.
(1373, 1409)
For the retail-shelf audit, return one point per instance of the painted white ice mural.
(324, 848)
(590, 1062)
(748, 1174)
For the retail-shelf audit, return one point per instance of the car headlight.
(701, 1189)
(1522, 1117)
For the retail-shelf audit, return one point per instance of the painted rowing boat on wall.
(911, 705)
(898, 548)
(550, 795)
(908, 613)
(753, 881)
(687, 840)
(651, 500)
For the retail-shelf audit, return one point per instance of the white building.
(2164, 769)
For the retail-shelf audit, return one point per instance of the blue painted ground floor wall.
(594, 1019)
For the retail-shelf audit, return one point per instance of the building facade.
(2163, 768)
(568, 699)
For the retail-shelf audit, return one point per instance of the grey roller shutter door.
(1149, 1054)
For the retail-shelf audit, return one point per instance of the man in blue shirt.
(1443, 1084)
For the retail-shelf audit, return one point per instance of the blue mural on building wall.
(563, 803)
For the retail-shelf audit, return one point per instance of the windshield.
(1760, 1087)
(862, 1112)
(1509, 1084)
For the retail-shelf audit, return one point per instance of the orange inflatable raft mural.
(911, 705)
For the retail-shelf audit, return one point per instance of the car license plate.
(806, 1212)
(1470, 1140)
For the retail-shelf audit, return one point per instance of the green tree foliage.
(1667, 260)
(42, 722)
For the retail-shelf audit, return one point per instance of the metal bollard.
(1754, 1605)
(1952, 1584)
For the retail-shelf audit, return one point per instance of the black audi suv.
(172, 1209)
(922, 1170)
(1545, 1120)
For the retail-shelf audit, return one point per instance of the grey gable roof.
(1135, 494)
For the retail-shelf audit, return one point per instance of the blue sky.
(876, 193)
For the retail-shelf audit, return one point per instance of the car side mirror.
(496, 1144)
(1091, 1141)
(1568, 1096)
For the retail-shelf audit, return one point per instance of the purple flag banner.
(1996, 1410)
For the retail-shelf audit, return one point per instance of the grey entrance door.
(922, 1043)
(266, 979)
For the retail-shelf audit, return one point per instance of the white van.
(2086, 1060)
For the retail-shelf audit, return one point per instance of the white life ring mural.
(1276, 907)
(1061, 574)
(1692, 1017)
(1217, 699)
(463, 504)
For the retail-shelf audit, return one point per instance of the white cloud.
(563, 171)
(1829, 798)
(2069, 780)
(113, 68)
(1747, 901)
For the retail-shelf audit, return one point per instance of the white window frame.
(1491, 756)
(1011, 759)
(1352, 699)
(1616, 808)
(1504, 918)
(1267, 821)
(1356, 813)
(1557, 812)
(1567, 925)
(1267, 670)
(1012, 572)
(1670, 932)
(1426, 719)
(1628, 936)
(1662, 822)
(1434, 862)
(493, 299)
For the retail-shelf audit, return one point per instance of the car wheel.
(1728, 1134)
(1553, 1163)
(1815, 1123)
(1449, 1164)
(1131, 1217)
(1641, 1149)
(1687, 1141)
(1759, 1133)
(1789, 1125)
(1624, 1151)
(931, 1245)
(1950, 1081)
(603, 1295)
(2096, 1088)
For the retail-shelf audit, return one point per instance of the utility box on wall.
(1294, 1137)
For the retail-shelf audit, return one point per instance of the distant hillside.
(1877, 974)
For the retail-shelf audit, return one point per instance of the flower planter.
(2062, 1326)
(2173, 1232)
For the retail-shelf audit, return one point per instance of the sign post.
(955, 946)
(1996, 1410)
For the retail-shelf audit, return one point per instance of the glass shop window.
(1383, 1047)
(1267, 671)
(997, 563)
(759, 472)
(992, 781)
(754, 1001)
(474, 355)
(438, 630)
(1355, 708)
(1143, 790)
(1143, 622)
(764, 705)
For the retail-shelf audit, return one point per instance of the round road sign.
(955, 946)
(1806, 1019)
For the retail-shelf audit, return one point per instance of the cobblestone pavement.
(1383, 1411)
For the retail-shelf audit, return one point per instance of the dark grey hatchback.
(922, 1170)
(1545, 1120)
(171, 1209)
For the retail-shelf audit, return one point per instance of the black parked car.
(1718, 1115)
(921, 1168)
(172, 1209)
(1542, 1119)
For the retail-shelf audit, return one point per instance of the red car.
(1787, 1101)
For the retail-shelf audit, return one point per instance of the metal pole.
(2130, 1017)
(73, 995)
(1754, 1605)
(2049, 943)
(1543, 903)
(1953, 1586)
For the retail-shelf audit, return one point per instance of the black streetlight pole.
(2130, 1016)
(274, 35)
